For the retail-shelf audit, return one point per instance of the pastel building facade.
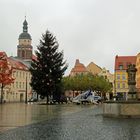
(93, 68)
(20, 88)
(78, 68)
(17, 91)
(138, 75)
(121, 76)
(109, 77)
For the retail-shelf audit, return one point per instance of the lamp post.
(26, 91)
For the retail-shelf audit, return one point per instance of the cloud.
(90, 30)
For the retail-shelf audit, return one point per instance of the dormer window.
(120, 67)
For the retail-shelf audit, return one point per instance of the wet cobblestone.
(85, 124)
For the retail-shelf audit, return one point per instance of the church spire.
(24, 48)
(25, 26)
(25, 34)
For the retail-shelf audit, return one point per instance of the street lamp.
(26, 91)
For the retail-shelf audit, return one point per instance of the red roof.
(17, 64)
(122, 62)
(14, 63)
(79, 67)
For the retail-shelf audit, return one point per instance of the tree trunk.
(47, 99)
(1, 93)
(37, 96)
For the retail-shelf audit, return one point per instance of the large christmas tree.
(47, 70)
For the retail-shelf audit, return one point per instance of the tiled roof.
(14, 63)
(124, 61)
(17, 64)
(79, 67)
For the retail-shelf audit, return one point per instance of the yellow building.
(110, 77)
(107, 75)
(93, 68)
(138, 75)
(17, 91)
(120, 75)
(20, 90)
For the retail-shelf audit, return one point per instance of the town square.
(69, 70)
(63, 122)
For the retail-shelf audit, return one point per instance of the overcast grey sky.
(91, 30)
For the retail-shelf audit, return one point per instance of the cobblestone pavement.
(85, 123)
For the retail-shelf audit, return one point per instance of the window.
(13, 85)
(104, 72)
(123, 77)
(17, 73)
(118, 76)
(118, 85)
(120, 67)
(17, 84)
(23, 84)
(123, 85)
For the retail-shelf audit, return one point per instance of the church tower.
(24, 48)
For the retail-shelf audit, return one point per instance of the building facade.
(17, 91)
(93, 68)
(120, 75)
(109, 77)
(20, 90)
(24, 48)
(78, 68)
(138, 75)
